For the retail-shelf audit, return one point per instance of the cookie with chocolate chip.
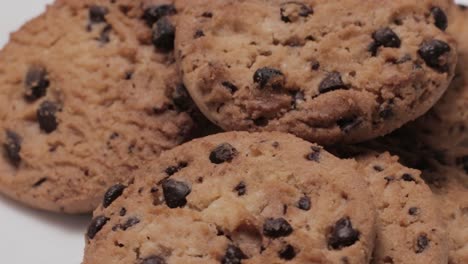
(89, 92)
(327, 72)
(409, 223)
(237, 198)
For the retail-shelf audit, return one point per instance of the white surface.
(26, 235)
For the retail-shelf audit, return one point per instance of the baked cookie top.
(409, 223)
(325, 71)
(237, 198)
(88, 92)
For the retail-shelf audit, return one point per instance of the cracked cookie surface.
(237, 198)
(325, 71)
(89, 91)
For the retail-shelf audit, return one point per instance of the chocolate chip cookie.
(409, 225)
(89, 91)
(237, 198)
(325, 71)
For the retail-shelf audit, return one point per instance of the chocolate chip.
(39, 182)
(230, 86)
(154, 13)
(36, 83)
(347, 124)
(153, 260)
(408, 177)
(314, 155)
(207, 14)
(287, 253)
(291, 11)
(304, 203)
(384, 37)
(112, 194)
(241, 188)
(277, 227)
(343, 234)
(97, 14)
(123, 211)
(269, 77)
(413, 211)
(12, 147)
(261, 121)
(431, 51)
(96, 225)
(46, 116)
(198, 34)
(331, 82)
(174, 169)
(132, 221)
(181, 98)
(233, 255)
(163, 35)
(421, 243)
(104, 37)
(315, 66)
(440, 18)
(175, 193)
(224, 152)
(378, 168)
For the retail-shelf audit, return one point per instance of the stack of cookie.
(104, 106)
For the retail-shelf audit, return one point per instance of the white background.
(26, 235)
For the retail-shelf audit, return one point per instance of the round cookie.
(237, 198)
(89, 91)
(325, 71)
(409, 226)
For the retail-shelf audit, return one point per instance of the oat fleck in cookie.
(325, 71)
(237, 198)
(89, 92)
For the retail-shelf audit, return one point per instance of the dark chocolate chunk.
(198, 34)
(174, 169)
(378, 168)
(96, 225)
(315, 154)
(175, 193)
(12, 147)
(241, 188)
(384, 37)
(223, 153)
(153, 14)
(432, 51)
(304, 203)
(233, 255)
(422, 242)
(207, 14)
(413, 211)
(277, 227)
(230, 86)
(46, 116)
(342, 234)
(97, 14)
(292, 10)
(163, 35)
(408, 177)
(315, 66)
(440, 18)
(287, 253)
(153, 260)
(123, 211)
(331, 82)
(347, 124)
(112, 194)
(132, 221)
(36, 83)
(269, 77)
(261, 122)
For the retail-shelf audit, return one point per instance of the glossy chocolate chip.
(287, 253)
(349, 123)
(233, 255)
(277, 227)
(112, 194)
(174, 169)
(97, 14)
(224, 152)
(432, 51)
(153, 260)
(181, 98)
(163, 35)
(292, 10)
(413, 211)
(123, 211)
(422, 242)
(96, 225)
(175, 193)
(132, 221)
(12, 147)
(269, 78)
(304, 203)
(46, 116)
(440, 18)
(384, 37)
(152, 14)
(343, 234)
(331, 82)
(230, 86)
(241, 188)
(36, 83)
